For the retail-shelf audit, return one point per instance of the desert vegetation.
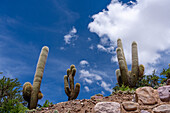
(15, 100)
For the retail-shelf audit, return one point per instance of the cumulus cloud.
(70, 35)
(86, 74)
(94, 77)
(84, 63)
(108, 50)
(106, 86)
(146, 22)
(87, 88)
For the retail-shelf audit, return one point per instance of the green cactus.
(32, 93)
(70, 91)
(128, 78)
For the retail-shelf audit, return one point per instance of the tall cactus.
(32, 93)
(70, 91)
(128, 78)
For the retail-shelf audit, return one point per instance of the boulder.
(107, 107)
(144, 111)
(146, 96)
(164, 93)
(130, 106)
(162, 109)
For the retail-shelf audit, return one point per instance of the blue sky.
(82, 33)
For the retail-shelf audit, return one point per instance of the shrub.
(11, 100)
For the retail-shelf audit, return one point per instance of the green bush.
(149, 80)
(166, 75)
(11, 100)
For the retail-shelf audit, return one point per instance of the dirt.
(83, 106)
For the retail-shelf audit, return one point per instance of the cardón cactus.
(128, 78)
(70, 91)
(32, 93)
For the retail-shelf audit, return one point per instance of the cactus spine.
(128, 78)
(70, 91)
(32, 93)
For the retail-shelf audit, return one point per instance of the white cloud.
(108, 50)
(106, 86)
(84, 63)
(91, 47)
(102, 93)
(62, 48)
(86, 74)
(89, 39)
(87, 88)
(88, 80)
(146, 22)
(70, 35)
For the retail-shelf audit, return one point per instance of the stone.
(164, 93)
(144, 111)
(107, 107)
(97, 97)
(162, 109)
(130, 106)
(168, 82)
(146, 96)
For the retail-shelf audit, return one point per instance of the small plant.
(47, 104)
(123, 89)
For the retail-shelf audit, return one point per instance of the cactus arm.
(119, 44)
(66, 86)
(76, 91)
(71, 80)
(141, 70)
(27, 88)
(135, 69)
(40, 95)
(38, 76)
(118, 76)
(73, 72)
(122, 67)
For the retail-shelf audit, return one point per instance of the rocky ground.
(85, 105)
(144, 100)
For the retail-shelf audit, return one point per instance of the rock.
(164, 93)
(97, 97)
(146, 96)
(107, 107)
(130, 106)
(162, 109)
(168, 82)
(144, 111)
